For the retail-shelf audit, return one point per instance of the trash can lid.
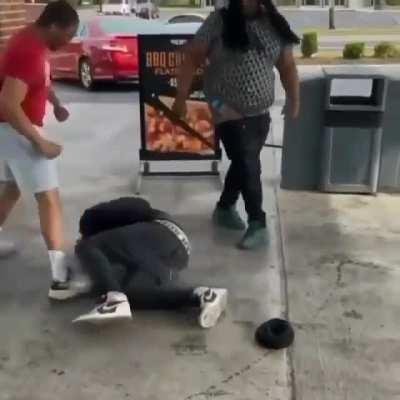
(354, 72)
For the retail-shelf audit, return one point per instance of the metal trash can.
(352, 134)
(301, 153)
(389, 175)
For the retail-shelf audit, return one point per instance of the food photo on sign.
(164, 134)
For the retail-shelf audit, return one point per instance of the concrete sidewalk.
(332, 264)
(160, 355)
(342, 260)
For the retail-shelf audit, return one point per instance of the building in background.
(12, 18)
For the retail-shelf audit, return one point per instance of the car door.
(69, 62)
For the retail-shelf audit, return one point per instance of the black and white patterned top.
(244, 81)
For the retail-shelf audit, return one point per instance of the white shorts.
(24, 165)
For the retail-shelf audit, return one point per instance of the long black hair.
(234, 32)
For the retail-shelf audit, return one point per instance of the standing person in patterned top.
(29, 156)
(240, 45)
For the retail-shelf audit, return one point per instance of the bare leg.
(8, 200)
(51, 220)
(51, 223)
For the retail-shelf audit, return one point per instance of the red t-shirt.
(25, 58)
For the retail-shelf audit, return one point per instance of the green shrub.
(354, 51)
(386, 50)
(309, 44)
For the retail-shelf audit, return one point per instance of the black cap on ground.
(275, 334)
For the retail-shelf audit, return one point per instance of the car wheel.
(86, 74)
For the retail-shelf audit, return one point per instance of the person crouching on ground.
(132, 253)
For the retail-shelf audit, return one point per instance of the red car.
(104, 49)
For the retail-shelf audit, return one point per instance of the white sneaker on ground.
(213, 303)
(116, 308)
(64, 291)
(75, 286)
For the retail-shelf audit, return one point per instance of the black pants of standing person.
(132, 259)
(243, 141)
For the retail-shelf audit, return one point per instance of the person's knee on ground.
(105, 276)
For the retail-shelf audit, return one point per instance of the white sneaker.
(63, 291)
(213, 303)
(7, 248)
(115, 310)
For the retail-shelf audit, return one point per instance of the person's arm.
(12, 95)
(286, 66)
(60, 112)
(196, 55)
(22, 68)
(53, 99)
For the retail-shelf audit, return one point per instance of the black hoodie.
(110, 229)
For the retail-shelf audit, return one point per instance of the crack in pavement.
(214, 391)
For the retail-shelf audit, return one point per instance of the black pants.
(118, 260)
(243, 141)
(144, 295)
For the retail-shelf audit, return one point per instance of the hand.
(292, 109)
(49, 149)
(61, 113)
(179, 108)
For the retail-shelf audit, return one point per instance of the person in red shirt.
(29, 156)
